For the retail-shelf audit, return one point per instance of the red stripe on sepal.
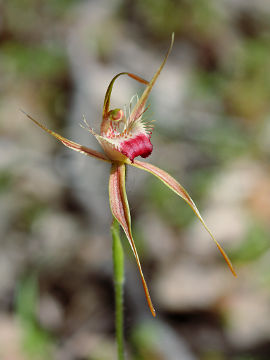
(120, 210)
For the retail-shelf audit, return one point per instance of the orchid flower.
(125, 135)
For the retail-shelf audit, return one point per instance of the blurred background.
(212, 133)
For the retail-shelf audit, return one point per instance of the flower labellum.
(125, 135)
(140, 145)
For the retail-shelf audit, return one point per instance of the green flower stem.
(118, 267)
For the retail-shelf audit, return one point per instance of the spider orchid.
(125, 135)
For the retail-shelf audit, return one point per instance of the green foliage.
(226, 140)
(33, 61)
(59, 7)
(255, 244)
(5, 181)
(198, 18)
(26, 300)
(212, 355)
(37, 343)
(247, 87)
(247, 357)
(200, 181)
(145, 337)
(30, 213)
(28, 16)
(206, 84)
(175, 212)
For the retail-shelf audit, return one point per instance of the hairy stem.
(118, 267)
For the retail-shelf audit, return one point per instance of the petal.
(179, 190)
(106, 105)
(138, 109)
(72, 145)
(120, 210)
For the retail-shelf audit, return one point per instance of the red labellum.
(140, 145)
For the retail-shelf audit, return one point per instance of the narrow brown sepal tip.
(231, 267)
(21, 110)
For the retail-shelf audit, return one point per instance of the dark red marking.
(138, 146)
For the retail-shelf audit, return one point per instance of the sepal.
(120, 210)
(174, 185)
(70, 144)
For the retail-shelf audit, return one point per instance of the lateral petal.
(139, 107)
(107, 99)
(71, 144)
(120, 210)
(179, 190)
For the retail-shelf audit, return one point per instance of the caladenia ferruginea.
(125, 135)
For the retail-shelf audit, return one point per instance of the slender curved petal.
(120, 210)
(139, 108)
(71, 144)
(107, 99)
(179, 190)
